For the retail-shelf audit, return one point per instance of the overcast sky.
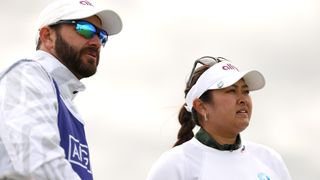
(130, 106)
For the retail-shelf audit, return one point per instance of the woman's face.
(229, 110)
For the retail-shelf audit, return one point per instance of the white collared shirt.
(29, 135)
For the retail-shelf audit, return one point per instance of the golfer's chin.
(87, 68)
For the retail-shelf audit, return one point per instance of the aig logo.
(229, 67)
(78, 153)
(86, 2)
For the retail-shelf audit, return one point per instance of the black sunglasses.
(205, 61)
(86, 29)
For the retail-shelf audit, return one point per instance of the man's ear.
(46, 36)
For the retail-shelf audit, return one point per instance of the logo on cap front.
(229, 67)
(220, 84)
(86, 2)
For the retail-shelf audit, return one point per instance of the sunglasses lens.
(88, 30)
(207, 61)
(85, 29)
(103, 37)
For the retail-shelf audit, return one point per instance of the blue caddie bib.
(73, 140)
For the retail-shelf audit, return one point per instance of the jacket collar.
(207, 140)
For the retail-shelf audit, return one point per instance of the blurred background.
(131, 105)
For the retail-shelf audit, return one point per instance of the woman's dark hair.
(187, 119)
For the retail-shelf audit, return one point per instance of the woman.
(218, 100)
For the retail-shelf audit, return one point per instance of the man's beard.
(71, 58)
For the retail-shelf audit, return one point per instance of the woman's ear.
(46, 36)
(200, 107)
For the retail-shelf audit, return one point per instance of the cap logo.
(229, 67)
(86, 2)
(220, 84)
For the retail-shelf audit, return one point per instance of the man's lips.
(91, 51)
(93, 54)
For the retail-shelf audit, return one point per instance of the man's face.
(80, 55)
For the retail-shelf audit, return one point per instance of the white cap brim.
(75, 9)
(254, 80)
(222, 75)
(111, 21)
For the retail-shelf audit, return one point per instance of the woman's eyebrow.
(243, 86)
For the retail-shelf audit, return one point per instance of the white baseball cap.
(222, 75)
(78, 9)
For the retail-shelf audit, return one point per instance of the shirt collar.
(69, 85)
(207, 140)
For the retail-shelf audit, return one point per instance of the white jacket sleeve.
(29, 135)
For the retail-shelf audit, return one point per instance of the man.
(41, 133)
